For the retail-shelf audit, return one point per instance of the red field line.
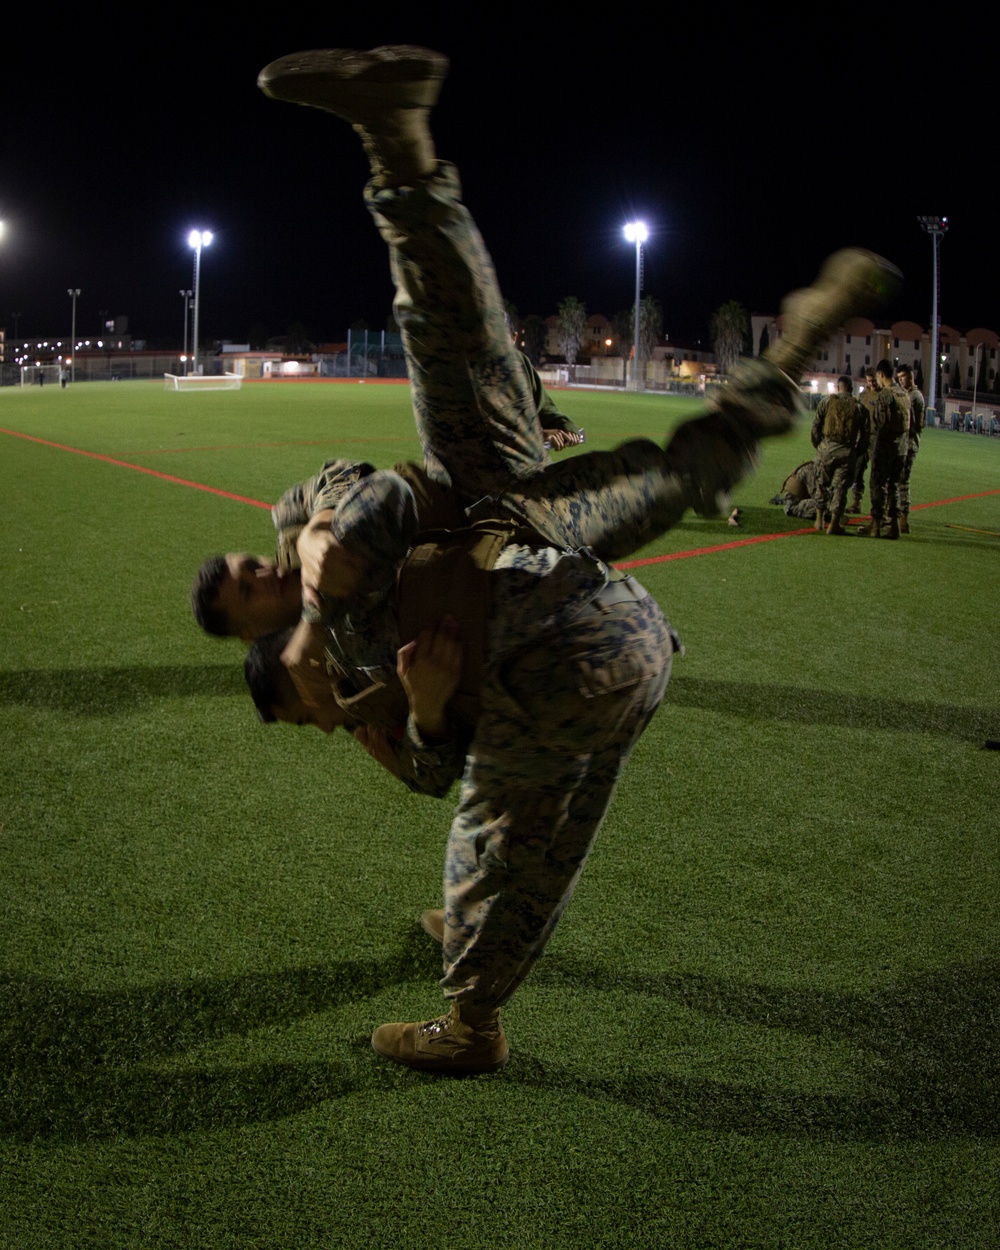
(707, 551)
(300, 442)
(124, 464)
(272, 381)
(767, 538)
(627, 564)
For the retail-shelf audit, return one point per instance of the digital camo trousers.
(833, 464)
(476, 417)
(888, 463)
(904, 477)
(559, 721)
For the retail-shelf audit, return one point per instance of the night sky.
(749, 161)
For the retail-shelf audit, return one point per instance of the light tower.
(197, 239)
(636, 232)
(73, 292)
(186, 297)
(937, 228)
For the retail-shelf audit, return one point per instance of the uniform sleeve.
(303, 500)
(816, 433)
(549, 416)
(377, 520)
(918, 409)
(430, 768)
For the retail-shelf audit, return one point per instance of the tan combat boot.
(386, 94)
(904, 523)
(893, 527)
(850, 283)
(432, 923)
(835, 526)
(871, 530)
(819, 522)
(453, 1045)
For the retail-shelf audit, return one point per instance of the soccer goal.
(202, 382)
(35, 375)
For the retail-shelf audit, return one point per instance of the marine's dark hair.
(846, 383)
(870, 373)
(885, 368)
(267, 678)
(204, 597)
(905, 368)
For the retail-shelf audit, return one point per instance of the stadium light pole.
(197, 239)
(186, 297)
(636, 232)
(3, 352)
(937, 228)
(73, 292)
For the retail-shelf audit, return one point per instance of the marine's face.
(326, 719)
(905, 379)
(257, 597)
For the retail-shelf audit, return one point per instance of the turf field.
(769, 1018)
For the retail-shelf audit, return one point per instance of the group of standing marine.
(880, 430)
(463, 618)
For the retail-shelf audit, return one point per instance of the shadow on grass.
(110, 691)
(932, 1046)
(79, 1065)
(810, 707)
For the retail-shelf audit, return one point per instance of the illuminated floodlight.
(636, 232)
(197, 239)
(937, 228)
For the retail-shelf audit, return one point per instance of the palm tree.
(571, 327)
(535, 332)
(622, 330)
(730, 326)
(650, 326)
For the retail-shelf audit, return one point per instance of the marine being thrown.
(546, 748)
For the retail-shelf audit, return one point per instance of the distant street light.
(636, 232)
(186, 297)
(197, 239)
(937, 228)
(73, 292)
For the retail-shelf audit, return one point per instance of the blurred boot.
(385, 94)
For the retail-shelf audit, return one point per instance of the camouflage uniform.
(836, 431)
(890, 443)
(856, 474)
(917, 418)
(575, 665)
(477, 419)
(797, 490)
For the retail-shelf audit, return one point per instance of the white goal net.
(38, 375)
(202, 382)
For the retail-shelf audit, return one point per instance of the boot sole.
(442, 1067)
(352, 83)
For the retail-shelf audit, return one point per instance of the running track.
(627, 564)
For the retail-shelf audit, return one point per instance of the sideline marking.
(707, 551)
(124, 464)
(767, 538)
(300, 442)
(625, 564)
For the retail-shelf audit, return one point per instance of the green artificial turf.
(769, 1018)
